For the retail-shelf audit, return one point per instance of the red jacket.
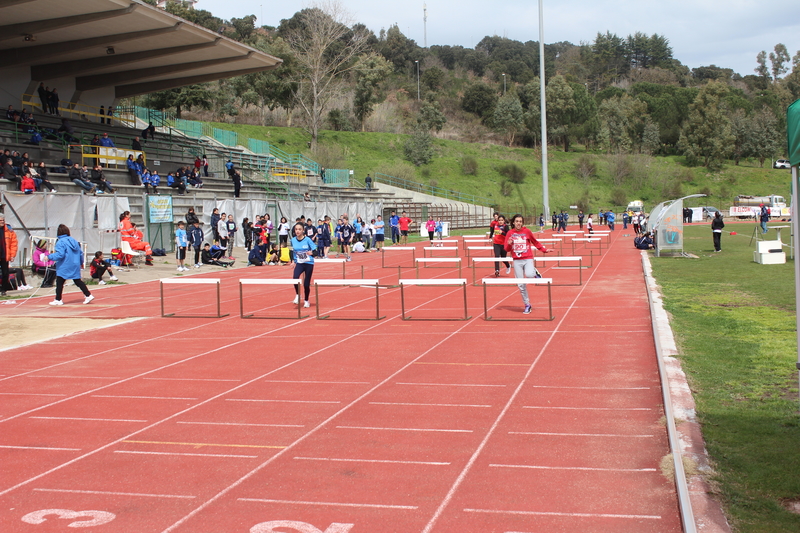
(28, 183)
(519, 242)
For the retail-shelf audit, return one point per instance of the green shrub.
(513, 172)
(469, 166)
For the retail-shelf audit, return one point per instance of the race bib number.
(519, 245)
(302, 257)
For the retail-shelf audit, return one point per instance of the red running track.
(231, 425)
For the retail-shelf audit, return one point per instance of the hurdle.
(348, 283)
(278, 281)
(474, 242)
(411, 249)
(559, 240)
(558, 260)
(487, 260)
(331, 260)
(190, 281)
(518, 281)
(432, 249)
(426, 260)
(432, 283)
(444, 242)
(588, 241)
(478, 249)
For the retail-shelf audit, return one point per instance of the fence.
(431, 190)
(336, 177)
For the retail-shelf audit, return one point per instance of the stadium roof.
(126, 45)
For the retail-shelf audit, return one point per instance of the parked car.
(710, 212)
(781, 163)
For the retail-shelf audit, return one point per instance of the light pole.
(543, 113)
(504, 84)
(417, 62)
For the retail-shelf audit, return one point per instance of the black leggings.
(308, 269)
(500, 251)
(196, 255)
(78, 283)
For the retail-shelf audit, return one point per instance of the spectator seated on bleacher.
(10, 174)
(68, 131)
(194, 179)
(27, 185)
(100, 181)
(149, 131)
(151, 178)
(107, 141)
(11, 114)
(136, 145)
(39, 175)
(176, 183)
(77, 177)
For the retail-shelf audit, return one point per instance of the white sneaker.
(179, 269)
(197, 265)
(508, 270)
(296, 299)
(101, 282)
(88, 299)
(56, 302)
(306, 304)
(114, 278)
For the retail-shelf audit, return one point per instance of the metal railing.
(83, 111)
(431, 190)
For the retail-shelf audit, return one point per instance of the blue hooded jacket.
(68, 257)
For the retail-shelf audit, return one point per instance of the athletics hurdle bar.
(518, 281)
(348, 283)
(508, 260)
(479, 249)
(426, 260)
(557, 260)
(443, 242)
(588, 240)
(278, 281)
(194, 281)
(434, 248)
(411, 249)
(559, 240)
(322, 261)
(432, 283)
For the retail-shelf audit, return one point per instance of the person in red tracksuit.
(519, 241)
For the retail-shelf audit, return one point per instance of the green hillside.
(617, 180)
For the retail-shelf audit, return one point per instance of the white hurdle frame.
(426, 260)
(330, 260)
(266, 281)
(588, 240)
(557, 260)
(439, 248)
(487, 260)
(190, 281)
(443, 242)
(411, 249)
(432, 283)
(518, 281)
(479, 249)
(348, 283)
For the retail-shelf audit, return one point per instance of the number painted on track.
(90, 518)
(299, 527)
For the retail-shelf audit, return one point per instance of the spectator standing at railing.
(54, 102)
(133, 170)
(205, 165)
(42, 96)
(107, 142)
(237, 183)
(109, 114)
(368, 182)
(229, 167)
(102, 114)
(198, 163)
(136, 145)
(322, 174)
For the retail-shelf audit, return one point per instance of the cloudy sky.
(726, 33)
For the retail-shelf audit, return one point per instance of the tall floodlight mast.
(545, 185)
(425, 24)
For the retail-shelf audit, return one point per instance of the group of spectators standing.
(49, 99)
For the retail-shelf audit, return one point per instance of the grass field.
(735, 325)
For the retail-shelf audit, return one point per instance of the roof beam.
(124, 91)
(22, 56)
(79, 67)
(9, 3)
(12, 31)
(87, 83)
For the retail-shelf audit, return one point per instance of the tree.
(419, 147)
(431, 116)
(432, 78)
(480, 99)
(181, 98)
(244, 27)
(762, 69)
(621, 120)
(765, 139)
(398, 49)
(779, 58)
(560, 106)
(371, 70)
(272, 88)
(651, 137)
(707, 136)
(508, 117)
(325, 48)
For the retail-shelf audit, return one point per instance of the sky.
(726, 33)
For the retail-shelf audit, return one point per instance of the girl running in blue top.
(304, 261)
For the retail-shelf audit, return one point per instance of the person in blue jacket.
(106, 141)
(610, 218)
(196, 241)
(303, 248)
(68, 258)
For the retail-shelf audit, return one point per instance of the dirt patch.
(793, 506)
(17, 331)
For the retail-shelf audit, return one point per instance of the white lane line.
(388, 461)
(578, 434)
(407, 429)
(140, 397)
(189, 454)
(429, 404)
(40, 448)
(86, 419)
(244, 424)
(588, 408)
(449, 384)
(118, 493)
(29, 394)
(584, 468)
(279, 401)
(331, 504)
(192, 379)
(72, 377)
(587, 388)
(318, 382)
(580, 515)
